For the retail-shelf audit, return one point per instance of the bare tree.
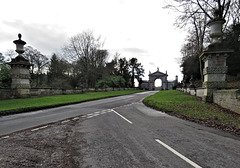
(38, 60)
(85, 50)
(195, 15)
(226, 9)
(82, 45)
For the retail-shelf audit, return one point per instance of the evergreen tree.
(136, 70)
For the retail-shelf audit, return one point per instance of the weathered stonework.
(214, 58)
(214, 84)
(20, 71)
(150, 84)
(229, 99)
(215, 70)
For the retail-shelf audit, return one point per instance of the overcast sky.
(133, 28)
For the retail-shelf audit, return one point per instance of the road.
(122, 132)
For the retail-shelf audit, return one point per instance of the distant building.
(150, 84)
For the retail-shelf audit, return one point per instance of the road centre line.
(178, 154)
(122, 117)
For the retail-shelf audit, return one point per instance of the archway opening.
(158, 84)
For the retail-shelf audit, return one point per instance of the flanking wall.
(229, 99)
(195, 92)
(6, 94)
(37, 92)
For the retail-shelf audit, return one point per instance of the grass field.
(22, 105)
(181, 104)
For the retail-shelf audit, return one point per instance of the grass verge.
(14, 106)
(188, 107)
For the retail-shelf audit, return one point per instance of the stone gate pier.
(20, 71)
(214, 58)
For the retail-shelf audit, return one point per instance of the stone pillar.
(164, 83)
(20, 71)
(214, 58)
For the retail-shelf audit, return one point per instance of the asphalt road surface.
(122, 132)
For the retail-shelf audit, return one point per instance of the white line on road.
(178, 154)
(122, 117)
(43, 127)
(36, 129)
(66, 121)
(142, 93)
(76, 118)
(5, 137)
(89, 117)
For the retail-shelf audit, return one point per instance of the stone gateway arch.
(150, 84)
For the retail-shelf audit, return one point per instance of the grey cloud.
(135, 50)
(151, 63)
(5, 36)
(44, 37)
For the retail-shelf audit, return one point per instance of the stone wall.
(199, 92)
(193, 91)
(6, 94)
(37, 92)
(229, 99)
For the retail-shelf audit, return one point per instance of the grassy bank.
(188, 107)
(22, 105)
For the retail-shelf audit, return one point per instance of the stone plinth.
(214, 71)
(20, 76)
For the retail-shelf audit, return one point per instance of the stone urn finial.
(19, 36)
(216, 25)
(19, 45)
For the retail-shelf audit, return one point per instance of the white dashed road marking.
(122, 117)
(5, 137)
(36, 129)
(178, 154)
(65, 121)
(76, 118)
